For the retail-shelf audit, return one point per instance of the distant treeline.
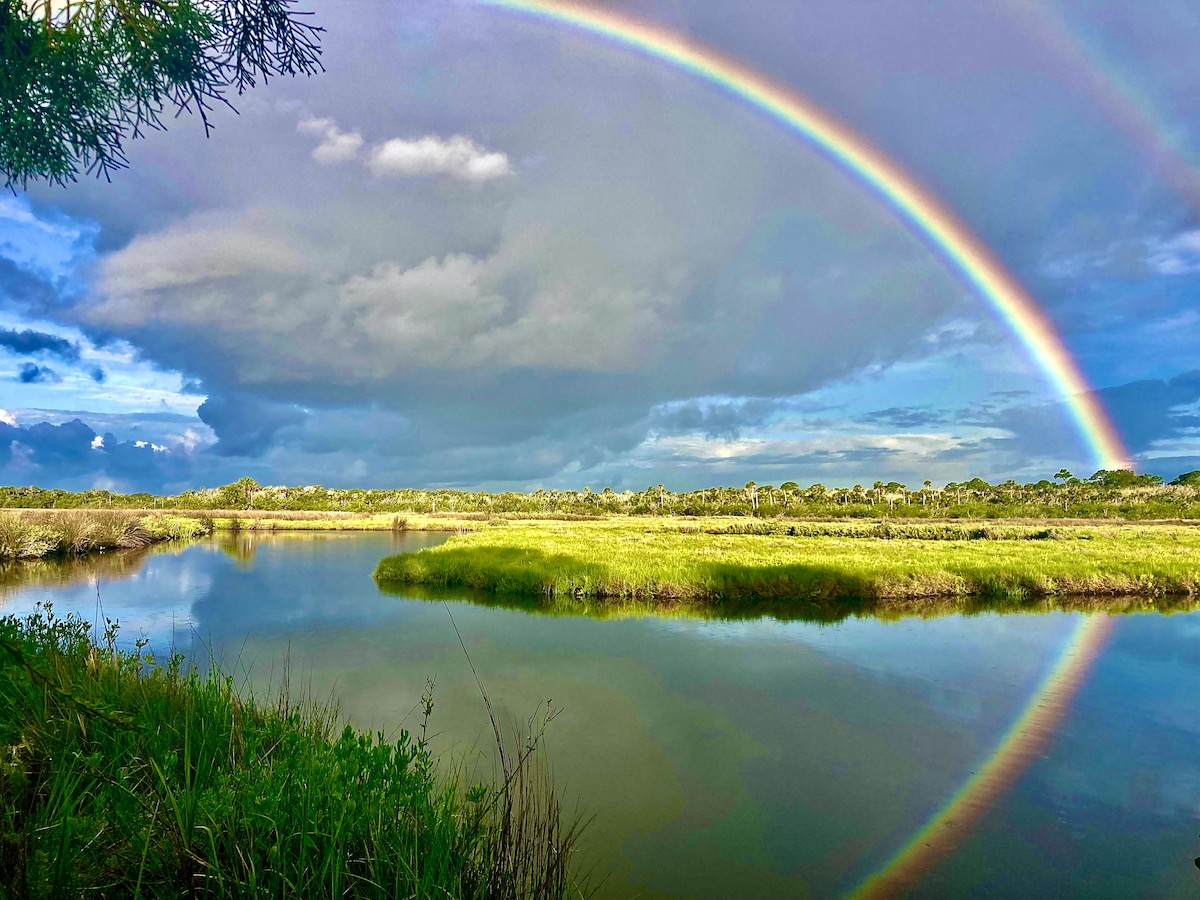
(1119, 494)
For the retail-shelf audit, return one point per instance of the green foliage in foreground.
(123, 777)
(625, 560)
(32, 535)
(80, 79)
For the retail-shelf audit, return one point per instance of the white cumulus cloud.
(336, 146)
(7, 418)
(455, 157)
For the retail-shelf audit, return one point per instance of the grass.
(32, 534)
(823, 566)
(284, 520)
(122, 776)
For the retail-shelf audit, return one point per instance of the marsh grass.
(838, 565)
(271, 520)
(124, 776)
(31, 534)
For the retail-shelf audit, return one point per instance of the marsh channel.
(744, 756)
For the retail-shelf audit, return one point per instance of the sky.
(483, 250)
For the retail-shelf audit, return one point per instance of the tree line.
(1119, 494)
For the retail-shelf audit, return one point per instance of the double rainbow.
(931, 220)
(948, 236)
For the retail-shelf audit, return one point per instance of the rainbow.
(1127, 107)
(935, 224)
(1025, 738)
(954, 242)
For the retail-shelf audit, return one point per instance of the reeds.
(124, 776)
(30, 534)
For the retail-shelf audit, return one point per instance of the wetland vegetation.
(127, 776)
(814, 565)
(32, 534)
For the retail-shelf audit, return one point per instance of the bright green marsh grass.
(820, 565)
(120, 776)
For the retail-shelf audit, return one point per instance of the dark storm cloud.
(74, 456)
(31, 373)
(52, 449)
(246, 425)
(28, 342)
(21, 288)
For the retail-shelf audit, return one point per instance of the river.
(748, 757)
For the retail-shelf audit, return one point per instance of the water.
(748, 758)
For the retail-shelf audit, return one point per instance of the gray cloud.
(28, 342)
(31, 373)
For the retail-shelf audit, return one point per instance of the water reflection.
(733, 755)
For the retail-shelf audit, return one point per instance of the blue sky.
(482, 250)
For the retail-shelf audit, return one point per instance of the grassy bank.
(125, 777)
(32, 534)
(241, 520)
(821, 566)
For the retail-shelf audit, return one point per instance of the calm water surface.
(749, 758)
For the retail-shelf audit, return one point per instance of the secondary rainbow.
(1128, 107)
(932, 221)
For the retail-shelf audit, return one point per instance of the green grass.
(120, 776)
(32, 534)
(270, 520)
(823, 566)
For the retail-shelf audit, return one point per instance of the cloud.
(247, 425)
(1176, 255)
(28, 342)
(74, 456)
(198, 251)
(7, 418)
(455, 157)
(905, 417)
(270, 312)
(336, 146)
(1153, 417)
(34, 374)
(458, 157)
(722, 417)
